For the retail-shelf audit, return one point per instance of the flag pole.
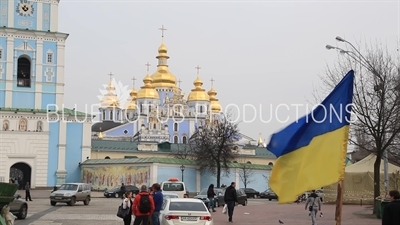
(339, 203)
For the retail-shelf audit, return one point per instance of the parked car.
(242, 198)
(185, 211)
(115, 192)
(71, 193)
(250, 192)
(19, 207)
(202, 195)
(269, 194)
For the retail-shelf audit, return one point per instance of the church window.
(149, 108)
(175, 139)
(1, 53)
(141, 107)
(201, 109)
(111, 115)
(154, 126)
(175, 126)
(184, 140)
(270, 164)
(127, 116)
(248, 162)
(104, 115)
(24, 72)
(49, 57)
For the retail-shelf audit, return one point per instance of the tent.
(359, 182)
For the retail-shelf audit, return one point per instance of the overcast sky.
(262, 53)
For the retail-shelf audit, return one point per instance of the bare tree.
(183, 151)
(213, 146)
(246, 173)
(376, 99)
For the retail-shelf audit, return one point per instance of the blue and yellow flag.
(312, 151)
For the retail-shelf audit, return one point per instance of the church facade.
(41, 142)
(160, 111)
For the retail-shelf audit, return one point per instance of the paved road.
(101, 211)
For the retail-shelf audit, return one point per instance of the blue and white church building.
(159, 111)
(41, 142)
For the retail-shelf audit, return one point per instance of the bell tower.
(31, 55)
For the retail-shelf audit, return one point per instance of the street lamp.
(358, 57)
(182, 169)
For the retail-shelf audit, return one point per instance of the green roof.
(164, 161)
(66, 111)
(131, 146)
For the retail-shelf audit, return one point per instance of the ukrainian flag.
(312, 151)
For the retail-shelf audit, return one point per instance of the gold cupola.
(198, 93)
(214, 103)
(163, 77)
(131, 104)
(110, 99)
(148, 90)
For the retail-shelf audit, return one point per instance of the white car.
(180, 211)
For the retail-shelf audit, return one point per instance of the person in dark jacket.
(210, 195)
(158, 198)
(230, 199)
(122, 191)
(391, 213)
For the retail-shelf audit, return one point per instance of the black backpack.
(144, 204)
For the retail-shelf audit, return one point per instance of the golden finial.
(133, 82)
(111, 76)
(148, 66)
(198, 69)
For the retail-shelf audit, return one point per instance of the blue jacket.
(158, 200)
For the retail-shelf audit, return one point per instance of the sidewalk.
(41, 194)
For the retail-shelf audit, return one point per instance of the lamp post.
(358, 57)
(182, 170)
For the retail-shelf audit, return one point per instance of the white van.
(175, 186)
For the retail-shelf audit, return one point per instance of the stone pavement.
(102, 211)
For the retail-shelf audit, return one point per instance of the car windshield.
(187, 206)
(173, 187)
(203, 192)
(69, 187)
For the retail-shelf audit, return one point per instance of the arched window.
(175, 126)
(111, 115)
(104, 115)
(201, 109)
(149, 109)
(184, 140)
(154, 126)
(24, 72)
(270, 164)
(175, 139)
(248, 162)
(107, 157)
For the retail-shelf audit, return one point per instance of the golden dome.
(162, 77)
(110, 100)
(148, 90)
(131, 104)
(214, 103)
(198, 93)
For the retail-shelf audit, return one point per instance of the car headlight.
(67, 194)
(52, 194)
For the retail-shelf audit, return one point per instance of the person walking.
(127, 204)
(143, 206)
(210, 195)
(158, 198)
(28, 192)
(230, 199)
(313, 204)
(122, 191)
(391, 212)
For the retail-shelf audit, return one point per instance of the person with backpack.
(313, 205)
(143, 206)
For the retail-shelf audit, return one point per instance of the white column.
(198, 180)
(62, 144)
(237, 178)
(60, 74)
(39, 73)
(9, 70)
(54, 17)
(39, 15)
(10, 14)
(86, 140)
(154, 172)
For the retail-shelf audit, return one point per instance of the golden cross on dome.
(162, 30)
(111, 75)
(212, 82)
(148, 66)
(179, 83)
(133, 81)
(198, 69)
